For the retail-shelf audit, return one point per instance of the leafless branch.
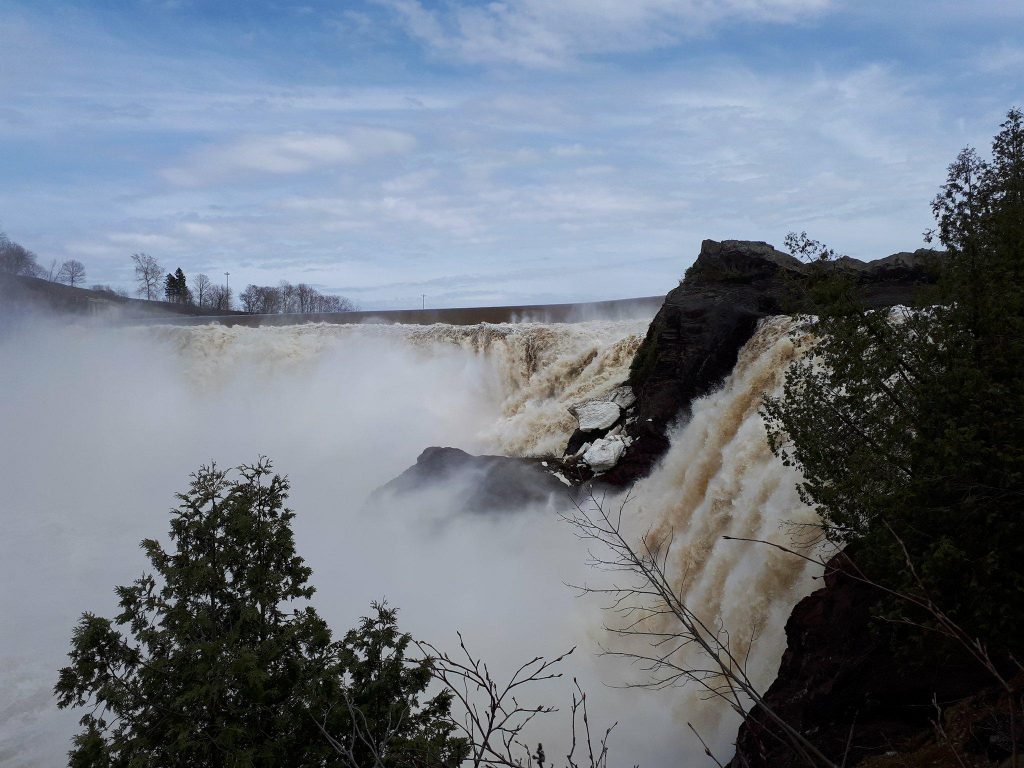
(651, 607)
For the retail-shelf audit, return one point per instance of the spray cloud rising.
(101, 425)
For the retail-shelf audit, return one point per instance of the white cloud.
(1002, 58)
(572, 175)
(570, 150)
(540, 33)
(143, 240)
(287, 153)
(449, 216)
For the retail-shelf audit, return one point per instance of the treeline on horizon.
(174, 287)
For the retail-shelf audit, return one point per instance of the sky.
(485, 153)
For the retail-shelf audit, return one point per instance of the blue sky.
(521, 151)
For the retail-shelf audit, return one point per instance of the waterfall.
(534, 371)
(719, 479)
(103, 424)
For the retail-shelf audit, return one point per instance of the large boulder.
(604, 453)
(479, 484)
(595, 415)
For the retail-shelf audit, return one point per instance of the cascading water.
(720, 479)
(534, 371)
(122, 415)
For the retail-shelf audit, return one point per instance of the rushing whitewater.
(102, 425)
(720, 479)
(534, 370)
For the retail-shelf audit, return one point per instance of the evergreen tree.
(908, 426)
(216, 659)
(171, 290)
(184, 295)
(383, 688)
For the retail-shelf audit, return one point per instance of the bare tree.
(71, 272)
(678, 646)
(148, 274)
(219, 298)
(261, 299)
(104, 288)
(18, 260)
(329, 303)
(495, 716)
(202, 289)
(271, 300)
(494, 726)
(289, 298)
(250, 298)
(362, 737)
(303, 297)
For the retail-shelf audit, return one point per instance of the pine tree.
(383, 687)
(184, 295)
(908, 426)
(216, 658)
(171, 291)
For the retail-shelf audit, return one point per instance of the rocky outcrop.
(596, 415)
(690, 347)
(694, 340)
(480, 484)
(604, 453)
(598, 442)
(846, 684)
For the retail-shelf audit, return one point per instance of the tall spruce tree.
(908, 426)
(184, 295)
(171, 290)
(216, 658)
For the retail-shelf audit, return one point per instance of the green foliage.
(908, 425)
(217, 659)
(176, 287)
(382, 691)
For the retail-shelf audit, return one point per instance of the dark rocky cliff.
(846, 683)
(690, 347)
(693, 342)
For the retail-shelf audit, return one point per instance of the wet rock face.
(840, 671)
(479, 484)
(690, 347)
(694, 340)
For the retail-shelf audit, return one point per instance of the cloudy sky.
(518, 151)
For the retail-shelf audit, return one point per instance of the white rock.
(623, 397)
(596, 414)
(604, 453)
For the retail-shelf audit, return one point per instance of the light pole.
(227, 290)
(424, 304)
